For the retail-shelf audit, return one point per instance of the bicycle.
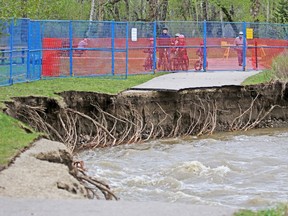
(164, 61)
(148, 64)
(183, 59)
(174, 61)
(199, 64)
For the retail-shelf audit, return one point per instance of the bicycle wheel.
(150, 64)
(176, 64)
(165, 65)
(198, 65)
(185, 64)
(146, 64)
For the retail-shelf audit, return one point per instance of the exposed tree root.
(245, 121)
(131, 124)
(92, 185)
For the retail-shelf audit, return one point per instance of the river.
(243, 170)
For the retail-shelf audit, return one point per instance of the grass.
(49, 87)
(278, 71)
(281, 210)
(262, 77)
(13, 138)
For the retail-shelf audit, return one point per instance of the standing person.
(200, 53)
(182, 53)
(174, 52)
(175, 41)
(238, 42)
(81, 46)
(164, 43)
(83, 43)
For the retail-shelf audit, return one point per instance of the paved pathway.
(45, 207)
(182, 80)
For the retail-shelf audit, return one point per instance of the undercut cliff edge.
(84, 120)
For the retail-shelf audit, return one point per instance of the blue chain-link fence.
(35, 49)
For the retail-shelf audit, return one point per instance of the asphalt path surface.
(183, 80)
(45, 207)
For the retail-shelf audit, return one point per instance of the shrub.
(279, 67)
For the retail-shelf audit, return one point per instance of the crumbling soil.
(89, 119)
(42, 171)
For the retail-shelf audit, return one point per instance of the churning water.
(247, 170)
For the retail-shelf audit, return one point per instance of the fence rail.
(35, 49)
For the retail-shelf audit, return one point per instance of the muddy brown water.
(243, 170)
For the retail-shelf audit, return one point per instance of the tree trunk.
(163, 14)
(204, 8)
(255, 9)
(153, 5)
(24, 8)
(196, 10)
(92, 10)
(268, 11)
(127, 10)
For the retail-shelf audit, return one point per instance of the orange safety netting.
(104, 60)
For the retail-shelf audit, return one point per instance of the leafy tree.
(281, 12)
(147, 10)
(43, 9)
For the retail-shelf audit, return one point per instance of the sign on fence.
(249, 33)
(134, 34)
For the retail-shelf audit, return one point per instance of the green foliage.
(281, 12)
(262, 77)
(280, 66)
(278, 71)
(190, 10)
(42, 9)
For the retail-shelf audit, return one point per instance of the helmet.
(181, 36)
(151, 39)
(177, 34)
(165, 28)
(240, 33)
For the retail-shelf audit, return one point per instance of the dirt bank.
(89, 119)
(41, 172)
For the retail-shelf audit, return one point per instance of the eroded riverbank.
(42, 171)
(88, 119)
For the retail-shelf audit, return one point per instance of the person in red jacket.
(183, 58)
(182, 46)
(174, 52)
